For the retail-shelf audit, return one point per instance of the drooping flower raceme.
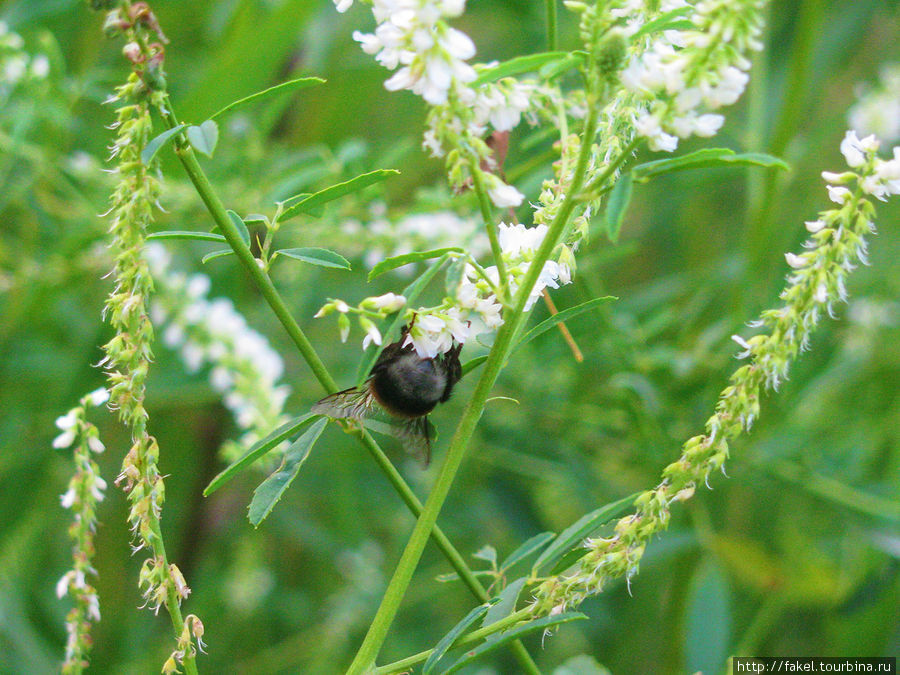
(816, 283)
(431, 58)
(86, 490)
(704, 68)
(245, 368)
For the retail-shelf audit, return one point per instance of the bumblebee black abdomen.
(409, 386)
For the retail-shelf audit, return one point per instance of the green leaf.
(278, 89)
(531, 545)
(241, 226)
(316, 256)
(185, 234)
(575, 534)
(258, 449)
(521, 64)
(204, 138)
(618, 202)
(411, 293)
(505, 605)
(269, 492)
(708, 157)
(471, 364)
(446, 642)
(407, 258)
(513, 634)
(454, 276)
(216, 254)
(150, 150)
(255, 218)
(574, 59)
(564, 315)
(487, 553)
(304, 204)
(568, 560)
(707, 633)
(673, 20)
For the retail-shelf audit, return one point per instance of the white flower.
(62, 586)
(67, 423)
(40, 66)
(814, 226)
(853, 149)
(95, 444)
(838, 194)
(99, 396)
(372, 333)
(342, 5)
(68, 498)
(795, 261)
(390, 302)
(503, 195)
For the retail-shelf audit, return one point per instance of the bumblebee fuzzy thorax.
(408, 385)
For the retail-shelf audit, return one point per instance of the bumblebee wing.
(354, 402)
(415, 434)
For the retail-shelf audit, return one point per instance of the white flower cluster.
(85, 491)
(431, 55)
(245, 368)
(430, 58)
(475, 309)
(836, 244)
(877, 110)
(705, 68)
(16, 65)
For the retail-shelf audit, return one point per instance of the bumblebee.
(404, 385)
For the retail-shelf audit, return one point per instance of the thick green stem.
(368, 651)
(552, 31)
(271, 295)
(474, 637)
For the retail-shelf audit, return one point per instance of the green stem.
(368, 651)
(474, 637)
(270, 293)
(173, 602)
(488, 217)
(552, 31)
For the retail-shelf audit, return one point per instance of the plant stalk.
(273, 298)
(368, 651)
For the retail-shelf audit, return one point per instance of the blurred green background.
(797, 553)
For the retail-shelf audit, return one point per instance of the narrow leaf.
(708, 157)
(574, 534)
(240, 225)
(306, 204)
(531, 546)
(258, 449)
(407, 258)
(150, 150)
(452, 636)
(283, 88)
(707, 621)
(564, 315)
(573, 59)
(513, 634)
(204, 138)
(487, 553)
(454, 276)
(618, 202)
(471, 364)
(185, 234)
(505, 605)
(316, 256)
(411, 293)
(520, 64)
(269, 492)
(667, 21)
(216, 254)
